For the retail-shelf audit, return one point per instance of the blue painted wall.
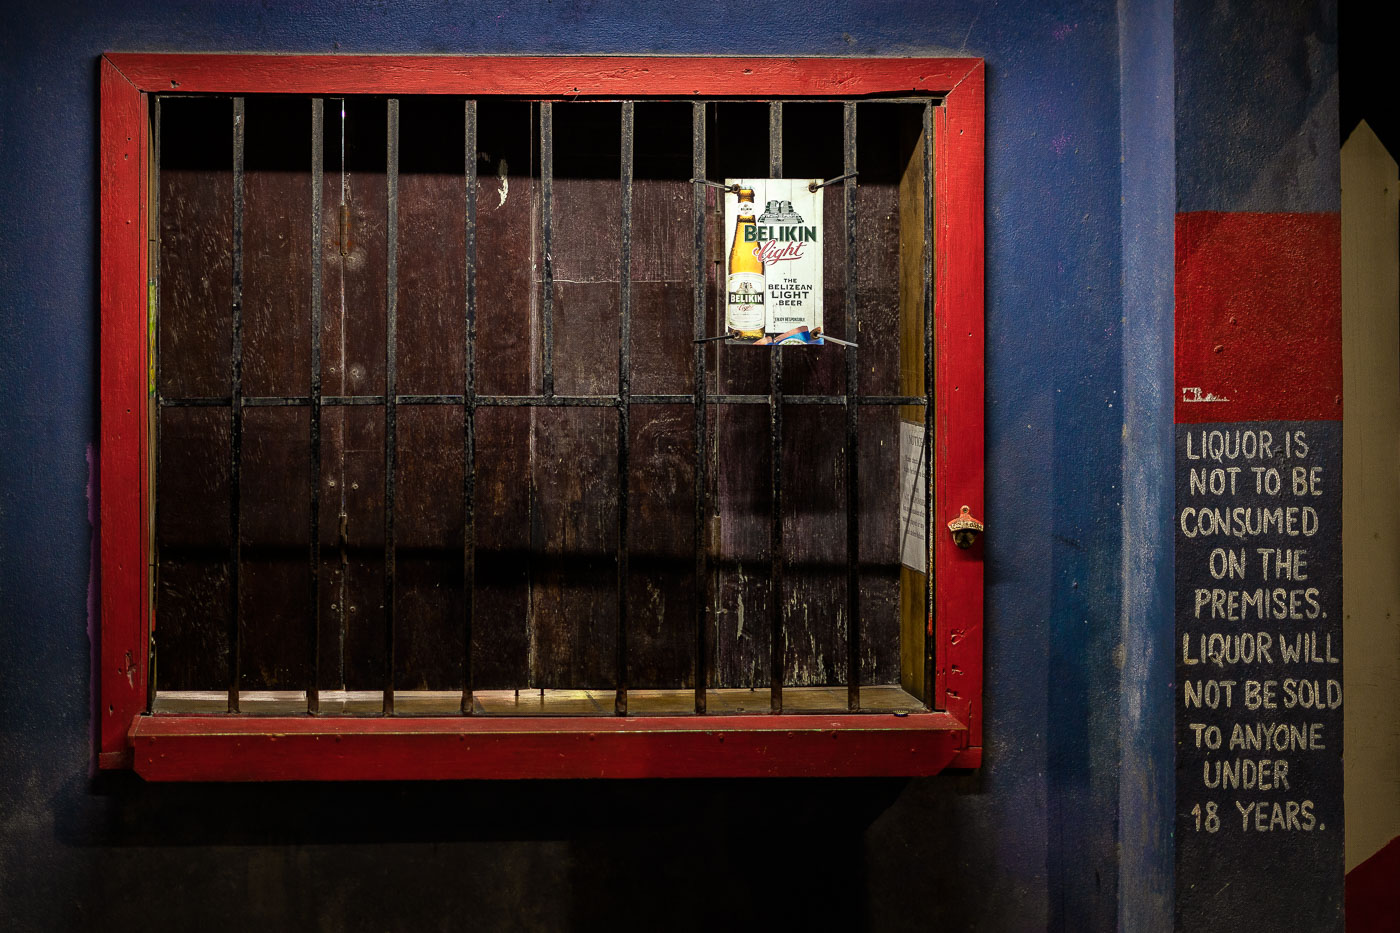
(1031, 842)
(1147, 701)
(1256, 106)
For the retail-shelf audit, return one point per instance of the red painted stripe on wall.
(1373, 892)
(1258, 317)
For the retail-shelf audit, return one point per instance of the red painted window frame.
(232, 747)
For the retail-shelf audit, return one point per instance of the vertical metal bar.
(547, 237)
(852, 417)
(236, 415)
(702, 588)
(153, 309)
(318, 127)
(469, 421)
(775, 446)
(391, 330)
(929, 408)
(342, 599)
(624, 402)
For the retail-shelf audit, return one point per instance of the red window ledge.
(229, 748)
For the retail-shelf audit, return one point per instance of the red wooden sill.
(245, 748)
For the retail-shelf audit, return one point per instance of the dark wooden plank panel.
(879, 544)
(428, 509)
(500, 639)
(739, 465)
(662, 587)
(192, 603)
(587, 246)
(428, 621)
(585, 332)
(276, 486)
(814, 499)
(333, 575)
(362, 493)
(276, 493)
(814, 536)
(662, 644)
(353, 362)
(878, 251)
(661, 231)
(428, 528)
(194, 478)
(196, 234)
(432, 243)
(332, 643)
(742, 369)
(877, 242)
(359, 366)
(662, 361)
(585, 302)
(740, 469)
(814, 484)
(276, 247)
(662, 593)
(743, 499)
(507, 249)
(275, 619)
(276, 361)
(362, 636)
(661, 637)
(335, 292)
(573, 605)
(573, 602)
(192, 625)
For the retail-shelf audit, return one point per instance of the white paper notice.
(913, 477)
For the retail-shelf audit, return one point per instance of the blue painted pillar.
(1146, 108)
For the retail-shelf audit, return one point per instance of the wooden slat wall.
(192, 542)
(547, 497)
(573, 604)
(737, 141)
(192, 596)
(353, 363)
(429, 516)
(275, 472)
(878, 247)
(661, 634)
(814, 441)
(507, 304)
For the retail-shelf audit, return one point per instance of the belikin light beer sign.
(773, 293)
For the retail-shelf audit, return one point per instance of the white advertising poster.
(773, 241)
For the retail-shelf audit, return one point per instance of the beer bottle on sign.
(743, 316)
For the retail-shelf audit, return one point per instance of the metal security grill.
(188, 602)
